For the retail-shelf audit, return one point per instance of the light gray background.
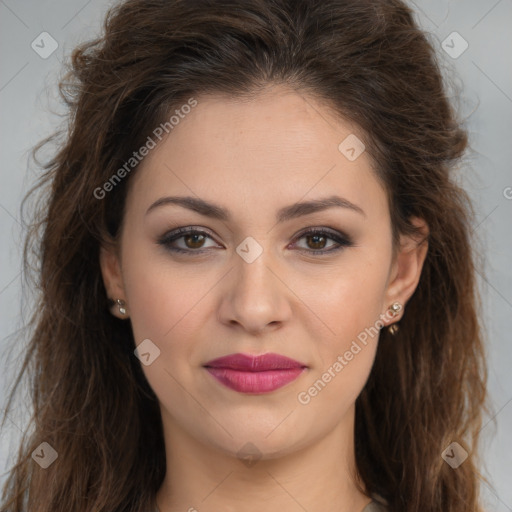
(28, 88)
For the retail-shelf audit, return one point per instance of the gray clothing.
(374, 506)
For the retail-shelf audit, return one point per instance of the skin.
(253, 158)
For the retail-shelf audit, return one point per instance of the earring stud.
(394, 309)
(121, 304)
(393, 329)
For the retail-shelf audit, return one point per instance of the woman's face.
(255, 282)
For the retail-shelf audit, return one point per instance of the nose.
(255, 297)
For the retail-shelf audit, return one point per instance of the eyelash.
(342, 240)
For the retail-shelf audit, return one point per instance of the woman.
(257, 282)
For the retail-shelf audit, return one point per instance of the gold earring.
(394, 309)
(393, 329)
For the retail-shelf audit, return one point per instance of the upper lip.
(258, 363)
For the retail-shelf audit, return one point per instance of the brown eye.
(194, 241)
(186, 240)
(317, 241)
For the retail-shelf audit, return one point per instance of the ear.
(407, 266)
(110, 265)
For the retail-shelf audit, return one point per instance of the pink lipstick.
(255, 374)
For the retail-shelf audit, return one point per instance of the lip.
(255, 374)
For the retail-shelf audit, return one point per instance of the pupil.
(316, 238)
(195, 237)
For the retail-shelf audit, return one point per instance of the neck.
(315, 478)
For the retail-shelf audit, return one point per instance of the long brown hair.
(369, 62)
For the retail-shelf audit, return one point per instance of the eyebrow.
(293, 211)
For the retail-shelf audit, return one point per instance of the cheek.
(346, 353)
(164, 308)
(160, 299)
(349, 305)
(349, 297)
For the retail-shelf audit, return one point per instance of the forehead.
(278, 146)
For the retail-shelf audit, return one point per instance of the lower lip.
(255, 382)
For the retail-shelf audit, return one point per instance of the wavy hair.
(370, 63)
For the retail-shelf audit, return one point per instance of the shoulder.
(374, 506)
(379, 504)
